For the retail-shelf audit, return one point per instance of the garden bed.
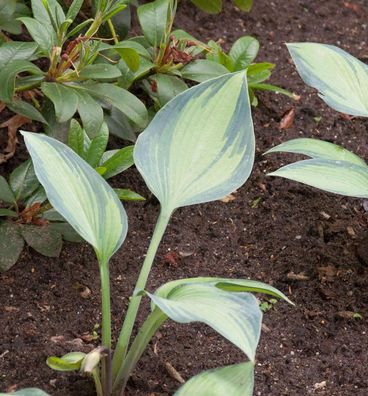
(307, 243)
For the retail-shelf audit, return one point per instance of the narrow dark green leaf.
(67, 231)
(259, 72)
(98, 146)
(17, 50)
(117, 161)
(6, 194)
(243, 52)
(52, 215)
(153, 20)
(120, 126)
(90, 113)
(100, 71)
(244, 5)
(76, 137)
(64, 98)
(128, 195)
(74, 9)
(8, 74)
(167, 87)
(7, 213)
(26, 110)
(23, 180)
(210, 6)
(273, 88)
(131, 58)
(202, 70)
(39, 196)
(120, 98)
(44, 37)
(11, 245)
(44, 240)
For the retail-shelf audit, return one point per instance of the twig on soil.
(174, 373)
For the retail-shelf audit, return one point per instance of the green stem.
(113, 31)
(106, 326)
(146, 332)
(126, 331)
(96, 378)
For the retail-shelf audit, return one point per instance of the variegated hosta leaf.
(235, 380)
(79, 194)
(236, 316)
(200, 146)
(315, 148)
(341, 79)
(234, 285)
(27, 392)
(339, 177)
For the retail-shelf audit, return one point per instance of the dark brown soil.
(316, 347)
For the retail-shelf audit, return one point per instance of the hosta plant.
(342, 82)
(76, 79)
(198, 148)
(26, 218)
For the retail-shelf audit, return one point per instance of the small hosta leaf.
(235, 380)
(11, 245)
(79, 194)
(236, 316)
(315, 148)
(200, 146)
(339, 177)
(341, 79)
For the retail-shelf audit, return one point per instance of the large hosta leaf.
(79, 194)
(341, 79)
(235, 380)
(339, 177)
(236, 316)
(200, 146)
(315, 148)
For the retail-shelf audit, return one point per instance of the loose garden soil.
(309, 244)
